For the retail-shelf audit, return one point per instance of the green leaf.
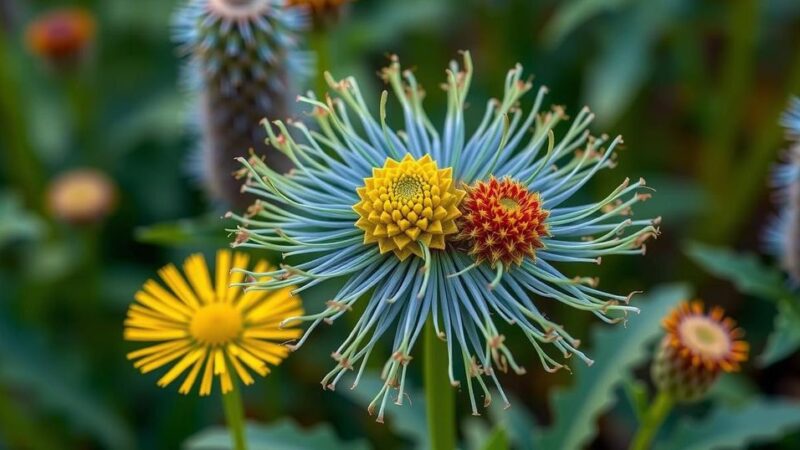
(616, 351)
(280, 435)
(785, 338)
(761, 421)
(636, 392)
(15, 222)
(575, 14)
(186, 232)
(624, 61)
(498, 440)
(745, 271)
(408, 420)
(518, 422)
(29, 368)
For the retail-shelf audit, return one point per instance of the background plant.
(696, 88)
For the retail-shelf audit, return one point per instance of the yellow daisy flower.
(216, 329)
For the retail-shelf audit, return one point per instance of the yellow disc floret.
(407, 204)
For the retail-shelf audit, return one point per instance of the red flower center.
(502, 222)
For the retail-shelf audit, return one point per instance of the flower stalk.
(439, 396)
(655, 416)
(234, 417)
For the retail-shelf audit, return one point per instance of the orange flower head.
(61, 35)
(698, 346)
(503, 222)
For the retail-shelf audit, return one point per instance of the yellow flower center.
(408, 203)
(509, 204)
(704, 336)
(216, 323)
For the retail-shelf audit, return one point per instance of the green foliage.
(745, 271)
(518, 423)
(408, 420)
(616, 351)
(752, 277)
(15, 222)
(498, 440)
(760, 421)
(185, 233)
(28, 368)
(280, 435)
(785, 338)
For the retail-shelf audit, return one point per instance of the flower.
(214, 328)
(323, 12)
(696, 348)
(81, 196)
(503, 222)
(320, 217)
(408, 205)
(783, 233)
(61, 36)
(244, 63)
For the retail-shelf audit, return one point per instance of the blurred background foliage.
(695, 87)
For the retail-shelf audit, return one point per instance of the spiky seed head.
(245, 65)
(697, 347)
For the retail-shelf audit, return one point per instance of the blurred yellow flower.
(214, 328)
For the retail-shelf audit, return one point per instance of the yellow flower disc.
(408, 203)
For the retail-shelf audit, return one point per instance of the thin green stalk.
(321, 46)
(728, 104)
(19, 160)
(439, 394)
(234, 416)
(749, 182)
(659, 410)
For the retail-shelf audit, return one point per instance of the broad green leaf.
(30, 369)
(616, 350)
(623, 63)
(574, 14)
(498, 440)
(734, 390)
(519, 423)
(407, 420)
(280, 435)
(636, 392)
(15, 222)
(745, 271)
(785, 338)
(761, 421)
(475, 433)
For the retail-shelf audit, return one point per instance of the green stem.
(321, 46)
(18, 158)
(234, 416)
(439, 394)
(749, 184)
(659, 410)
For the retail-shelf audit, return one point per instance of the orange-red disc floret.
(502, 222)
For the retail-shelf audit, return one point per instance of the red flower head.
(61, 36)
(502, 222)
